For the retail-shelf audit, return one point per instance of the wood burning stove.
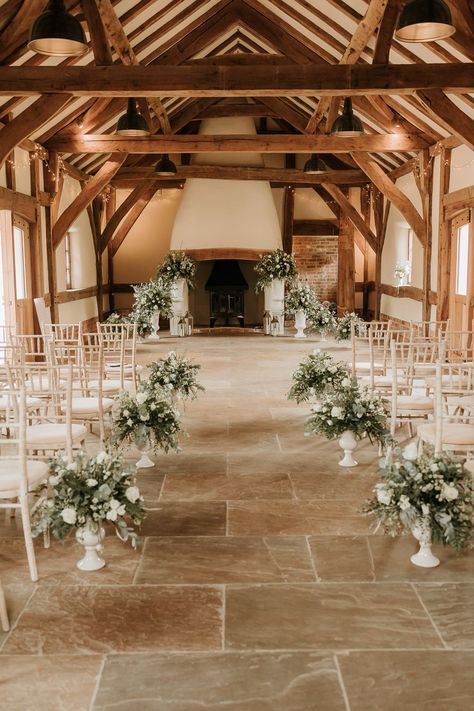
(226, 286)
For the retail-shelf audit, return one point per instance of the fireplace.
(224, 294)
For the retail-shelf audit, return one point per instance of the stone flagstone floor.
(259, 586)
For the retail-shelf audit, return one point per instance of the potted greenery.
(151, 299)
(344, 324)
(430, 495)
(301, 302)
(321, 319)
(147, 419)
(83, 495)
(274, 270)
(316, 374)
(175, 374)
(179, 271)
(402, 272)
(350, 414)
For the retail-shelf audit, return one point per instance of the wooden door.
(7, 278)
(462, 272)
(22, 273)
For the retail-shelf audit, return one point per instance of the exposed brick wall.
(316, 260)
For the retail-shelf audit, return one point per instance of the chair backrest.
(67, 332)
(430, 329)
(13, 449)
(30, 347)
(6, 333)
(460, 347)
(457, 378)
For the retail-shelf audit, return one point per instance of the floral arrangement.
(402, 271)
(176, 374)
(177, 265)
(300, 298)
(276, 265)
(434, 488)
(316, 374)
(153, 295)
(348, 408)
(344, 326)
(321, 318)
(89, 490)
(148, 416)
(117, 318)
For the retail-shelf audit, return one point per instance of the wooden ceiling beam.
(450, 116)
(393, 194)
(131, 217)
(89, 191)
(279, 143)
(98, 35)
(352, 214)
(219, 172)
(302, 80)
(385, 33)
(121, 212)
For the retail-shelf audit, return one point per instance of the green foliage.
(321, 319)
(153, 295)
(175, 374)
(435, 488)
(344, 325)
(276, 265)
(300, 298)
(177, 265)
(316, 374)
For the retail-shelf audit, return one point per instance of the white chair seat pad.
(453, 433)
(128, 368)
(87, 405)
(365, 365)
(380, 380)
(110, 386)
(414, 402)
(41, 384)
(52, 434)
(466, 402)
(31, 403)
(36, 471)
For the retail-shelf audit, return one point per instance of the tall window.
(20, 234)
(462, 260)
(409, 255)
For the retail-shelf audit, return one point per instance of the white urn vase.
(348, 443)
(145, 462)
(300, 324)
(424, 558)
(91, 536)
(274, 304)
(155, 326)
(180, 299)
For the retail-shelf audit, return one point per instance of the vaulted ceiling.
(268, 34)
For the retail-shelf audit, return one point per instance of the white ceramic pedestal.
(300, 324)
(180, 299)
(274, 295)
(348, 443)
(91, 538)
(424, 558)
(145, 462)
(155, 327)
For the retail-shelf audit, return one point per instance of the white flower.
(145, 418)
(337, 412)
(91, 482)
(69, 515)
(346, 383)
(410, 453)
(114, 510)
(448, 492)
(141, 398)
(126, 413)
(383, 494)
(72, 467)
(53, 480)
(444, 519)
(425, 509)
(404, 502)
(130, 423)
(102, 457)
(132, 493)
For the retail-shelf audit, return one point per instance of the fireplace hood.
(226, 273)
(226, 215)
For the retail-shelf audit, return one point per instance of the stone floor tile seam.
(15, 623)
(280, 448)
(97, 684)
(311, 558)
(340, 679)
(371, 559)
(224, 612)
(295, 497)
(427, 612)
(162, 486)
(137, 569)
(227, 518)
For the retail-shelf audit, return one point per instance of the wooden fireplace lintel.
(201, 255)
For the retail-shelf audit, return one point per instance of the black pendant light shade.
(132, 123)
(57, 33)
(347, 124)
(165, 166)
(314, 165)
(425, 21)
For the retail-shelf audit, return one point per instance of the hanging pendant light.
(425, 21)
(57, 33)
(132, 123)
(347, 124)
(315, 165)
(165, 166)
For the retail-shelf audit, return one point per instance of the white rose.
(53, 480)
(102, 457)
(132, 493)
(91, 482)
(141, 398)
(346, 383)
(337, 412)
(145, 418)
(111, 515)
(425, 509)
(130, 423)
(383, 494)
(404, 502)
(69, 515)
(126, 413)
(410, 452)
(72, 467)
(448, 492)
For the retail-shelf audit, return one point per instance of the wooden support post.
(36, 251)
(365, 200)
(288, 214)
(110, 209)
(50, 253)
(444, 239)
(345, 267)
(424, 181)
(379, 231)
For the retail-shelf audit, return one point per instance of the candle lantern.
(182, 327)
(267, 323)
(189, 319)
(275, 326)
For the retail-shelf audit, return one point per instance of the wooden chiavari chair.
(408, 402)
(370, 341)
(119, 345)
